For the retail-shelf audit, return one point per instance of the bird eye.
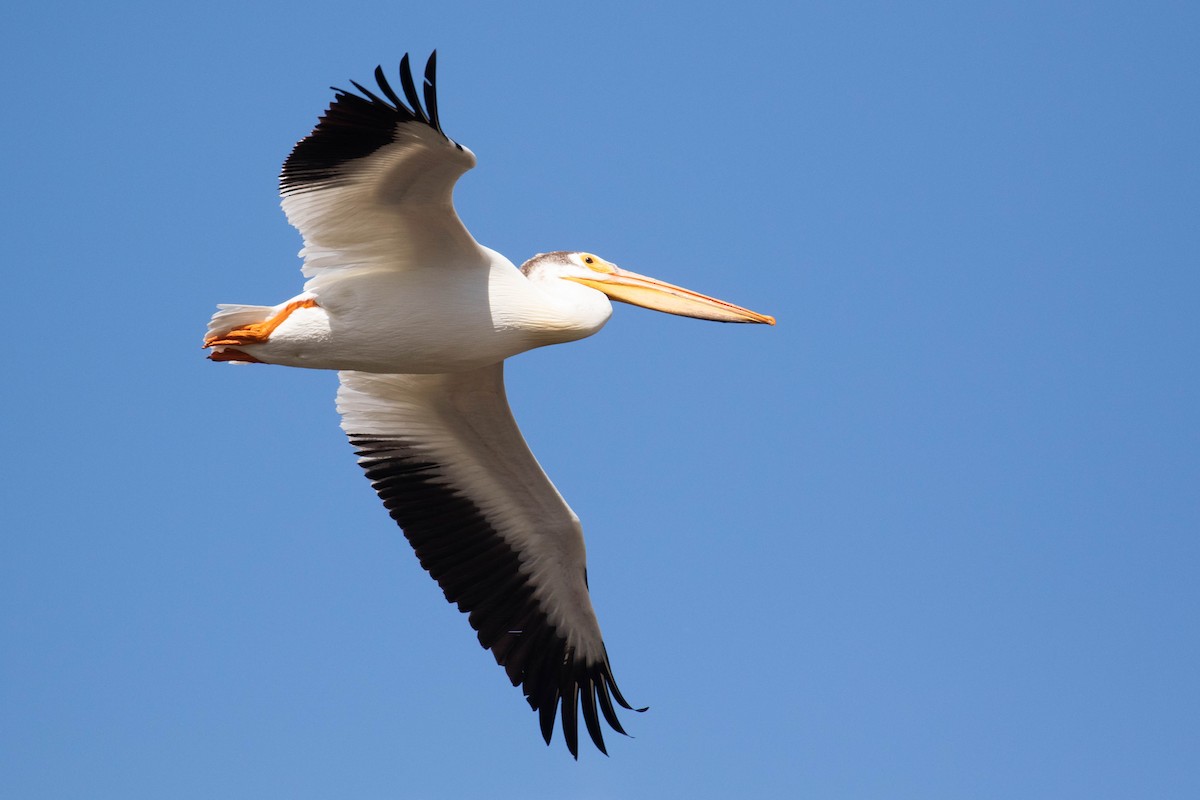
(595, 263)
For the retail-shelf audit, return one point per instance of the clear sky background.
(936, 535)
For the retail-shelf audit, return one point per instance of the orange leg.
(256, 332)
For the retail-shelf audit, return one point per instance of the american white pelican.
(418, 318)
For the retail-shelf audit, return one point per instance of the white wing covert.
(446, 457)
(372, 185)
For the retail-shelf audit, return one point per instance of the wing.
(450, 465)
(371, 186)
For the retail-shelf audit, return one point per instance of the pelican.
(418, 318)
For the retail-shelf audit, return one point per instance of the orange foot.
(255, 332)
(229, 354)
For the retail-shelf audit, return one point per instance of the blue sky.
(933, 536)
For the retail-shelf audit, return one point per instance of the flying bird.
(418, 318)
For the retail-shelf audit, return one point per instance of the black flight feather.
(356, 125)
(481, 573)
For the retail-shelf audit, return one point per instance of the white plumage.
(418, 319)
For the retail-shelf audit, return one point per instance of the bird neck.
(554, 310)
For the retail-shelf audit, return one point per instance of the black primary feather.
(356, 125)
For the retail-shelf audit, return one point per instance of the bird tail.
(229, 317)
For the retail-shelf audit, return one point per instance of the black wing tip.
(589, 691)
(425, 112)
(356, 123)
